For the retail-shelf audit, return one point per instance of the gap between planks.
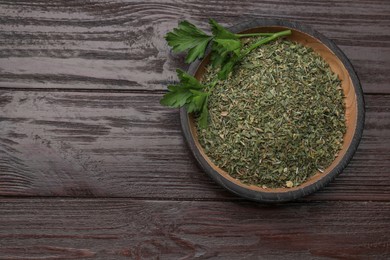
(86, 90)
(135, 91)
(304, 200)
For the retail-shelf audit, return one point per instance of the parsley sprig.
(190, 94)
(226, 51)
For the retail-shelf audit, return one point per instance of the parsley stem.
(265, 40)
(213, 83)
(253, 34)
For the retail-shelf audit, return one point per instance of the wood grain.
(132, 229)
(127, 145)
(119, 44)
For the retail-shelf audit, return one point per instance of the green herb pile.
(278, 119)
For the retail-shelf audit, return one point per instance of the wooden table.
(91, 166)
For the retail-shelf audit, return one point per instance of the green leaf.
(225, 55)
(224, 50)
(186, 93)
(217, 60)
(176, 97)
(228, 45)
(197, 52)
(221, 32)
(187, 80)
(227, 68)
(196, 101)
(187, 37)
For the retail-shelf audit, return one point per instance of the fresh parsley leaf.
(225, 55)
(187, 37)
(227, 67)
(187, 93)
(227, 45)
(223, 51)
(176, 97)
(226, 49)
(187, 80)
(196, 101)
(221, 32)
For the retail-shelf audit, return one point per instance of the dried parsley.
(277, 119)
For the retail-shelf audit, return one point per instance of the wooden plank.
(95, 144)
(119, 44)
(127, 145)
(123, 229)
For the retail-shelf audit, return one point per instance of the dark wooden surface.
(91, 166)
(144, 229)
